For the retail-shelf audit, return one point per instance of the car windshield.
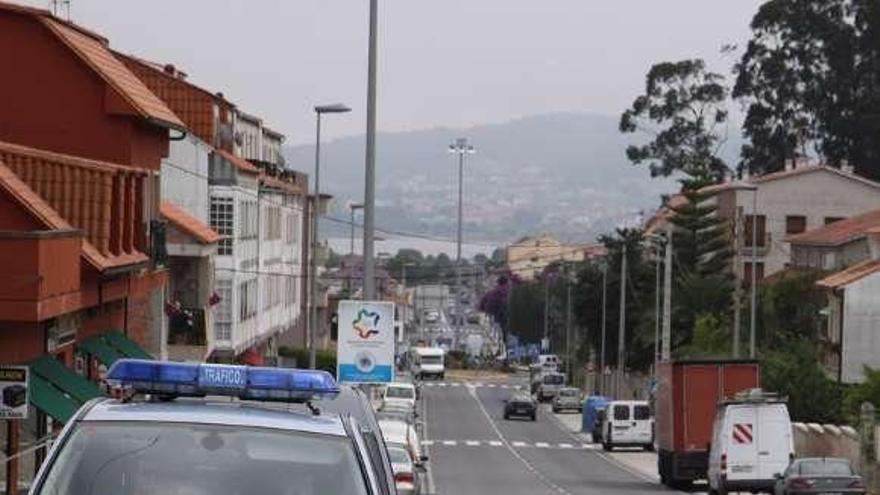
(400, 393)
(432, 360)
(140, 458)
(554, 379)
(568, 392)
(398, 455)
(825, 467)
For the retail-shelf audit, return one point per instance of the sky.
(449, 63)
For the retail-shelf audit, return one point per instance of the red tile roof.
(840, 232)
(187, 223)
(239, 162)
(784, 174)
(850, 275)
(98, 56)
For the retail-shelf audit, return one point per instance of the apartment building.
(530, 255)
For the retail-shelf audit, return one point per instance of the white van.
(628, 423)
(428, 362)
(548, 362)
(751, 443)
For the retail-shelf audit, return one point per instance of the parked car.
(628, 423)
(567, 399)
(406, 471)
(814, 475)
(403, 433)
(399, 393)
(751, 443)
(522, 406)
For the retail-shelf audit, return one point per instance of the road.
(474, 451)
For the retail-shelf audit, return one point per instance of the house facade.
(529, 256)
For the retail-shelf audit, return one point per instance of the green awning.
(125, 345)
(50, 400)
(97, 347)
(64, 379)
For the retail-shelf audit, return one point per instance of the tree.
(683, 110)
(867, 391)
(795, 373)
(809, 78)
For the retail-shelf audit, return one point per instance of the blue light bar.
(199, 380)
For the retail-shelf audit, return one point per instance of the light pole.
(370, 165)
(460, 147)
(659, 240)
(604, 305)
(316, 204)
(353, 207)
(754, 274)
(621, 336)
(666, 346)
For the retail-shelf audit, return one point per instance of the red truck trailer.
(686, 396)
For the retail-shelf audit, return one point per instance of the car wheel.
(534, 417)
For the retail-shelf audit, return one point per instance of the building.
(801, 197)
(82, 240)
(529, 256)
(847, 254)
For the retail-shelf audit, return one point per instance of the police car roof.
(216, 412)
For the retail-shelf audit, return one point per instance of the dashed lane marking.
(450, 443)
(503, 386)
(542, 445)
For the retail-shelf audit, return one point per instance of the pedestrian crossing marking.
(516, 444)
(503, 386)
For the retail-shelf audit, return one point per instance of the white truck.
(427, 362)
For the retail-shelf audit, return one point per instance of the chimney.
(169, 69)
(846, 167)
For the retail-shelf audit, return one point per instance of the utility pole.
(737, 280)
(568, 368)
(656, 306)
(460, 147)
(547, 309)
(666, 349)
(370, 167)
(604, 326)
(621, 335)
(754, 273)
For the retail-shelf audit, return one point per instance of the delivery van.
(628, 423)
(427, 362)
(751, 443)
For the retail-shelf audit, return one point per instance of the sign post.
(365, 344)
(13, 392)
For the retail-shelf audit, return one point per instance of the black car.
(522, 406)
(815, 475)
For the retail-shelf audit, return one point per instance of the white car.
(406, 476)
(399, 393)
(402, 433)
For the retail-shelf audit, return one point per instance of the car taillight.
(799, 483)
(858, 484)
(403, 477)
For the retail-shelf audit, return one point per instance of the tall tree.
(683, 111)
(809, 79)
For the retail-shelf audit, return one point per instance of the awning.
(98, 348)
(58, 391)
(125, 345)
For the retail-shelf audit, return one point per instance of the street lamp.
(659, 240)
(354, 207)
(313, 285)
(459, 147)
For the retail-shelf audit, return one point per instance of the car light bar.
(199, 380)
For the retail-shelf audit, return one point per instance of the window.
(248, 220)
(247, 306)
(761, 222)
(273, 223)
(747, 272)
(830, 220)
(221, 218)
(621, 413)
(641, 413)
(795, 224)
(223, 322)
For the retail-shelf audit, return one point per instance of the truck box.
(685, 403)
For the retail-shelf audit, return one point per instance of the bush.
(796, 373)
(867, 391)
(324, 359)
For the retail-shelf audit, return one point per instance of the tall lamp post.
(460, 147)
(353, 207)
(370, 161)
(313, 275)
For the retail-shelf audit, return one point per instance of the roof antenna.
(60, 5)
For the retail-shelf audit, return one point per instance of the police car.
(208, 429)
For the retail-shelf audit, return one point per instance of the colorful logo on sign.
(366, 324)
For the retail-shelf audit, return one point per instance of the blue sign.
(231, 377)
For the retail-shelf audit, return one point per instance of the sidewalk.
(643, 464)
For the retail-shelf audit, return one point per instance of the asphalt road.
(473, 450)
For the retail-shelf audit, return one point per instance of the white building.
(259, 268)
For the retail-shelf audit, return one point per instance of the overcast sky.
(442, 62)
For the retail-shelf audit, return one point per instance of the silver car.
(406, 472)
(567, 399)
(179, 442)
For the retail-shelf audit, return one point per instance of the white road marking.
(450, 443)
(542, 445)
(496, 443)
(518, 444)
(472, 443)
(427, 443)
(566, 446)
